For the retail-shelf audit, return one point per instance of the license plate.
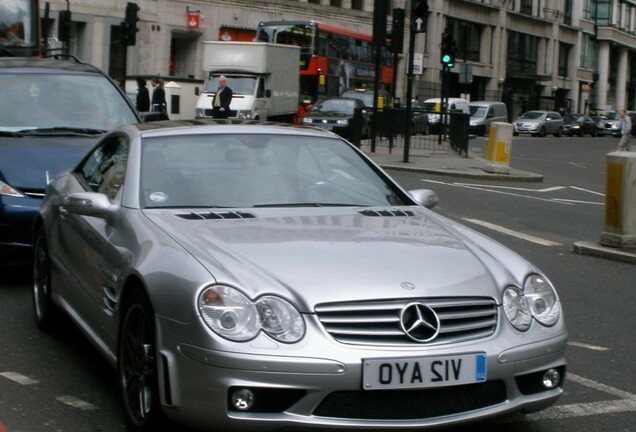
(381, 374)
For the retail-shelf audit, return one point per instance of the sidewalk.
(445, 161)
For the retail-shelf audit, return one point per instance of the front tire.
(46, 313)
(137, 365)
(541, 132)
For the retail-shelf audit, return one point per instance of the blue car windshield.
(44, 101)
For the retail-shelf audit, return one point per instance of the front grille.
(411, 404)
(378, 323)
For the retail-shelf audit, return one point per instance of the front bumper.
(320, 384)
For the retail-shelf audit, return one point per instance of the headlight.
(232, 315)
(342, 122)
(243, 114)
(7, 190)
(537, 300)
(308, 120)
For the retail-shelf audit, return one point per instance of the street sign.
(418, 25)
(418, 61)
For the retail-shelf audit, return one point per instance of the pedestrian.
(143, 96)
(626, 131)
(222, 99)
(158, 96)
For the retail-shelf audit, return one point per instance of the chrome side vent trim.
(217, 215)
(386, 213)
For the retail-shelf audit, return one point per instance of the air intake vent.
(217, 215)
(386, 213)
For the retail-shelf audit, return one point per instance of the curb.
(597, 250)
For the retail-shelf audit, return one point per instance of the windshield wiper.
(64, 130)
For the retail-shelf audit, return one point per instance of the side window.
(104, 169)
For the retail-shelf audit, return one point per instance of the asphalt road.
(59, 383)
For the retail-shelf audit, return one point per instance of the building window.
(357, 4)
(335, 3)
(603, 12)
(522, 54)
(588, 9)
(588, 51)
(467, 36)
(567, 12)
(526, 7)
(564, 55)
(313, 1)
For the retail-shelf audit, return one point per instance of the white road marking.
(19, 378)
(544, 190)
(510, 232)
(76, 403)
(577, 165)
(626, 403)
(579, 201)
(497, 188)
(587, 190)
(587, 346)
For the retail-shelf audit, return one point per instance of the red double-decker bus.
(332, 59)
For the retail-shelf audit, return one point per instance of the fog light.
(551, 378)
(243, 399)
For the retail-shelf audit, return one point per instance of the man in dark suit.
(222, 99)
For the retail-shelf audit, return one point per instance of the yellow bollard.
(499, 146)
(620, 201)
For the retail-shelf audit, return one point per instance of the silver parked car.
(257, 276)
(539, 123)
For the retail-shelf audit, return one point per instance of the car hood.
(26, 162)
(344, 254)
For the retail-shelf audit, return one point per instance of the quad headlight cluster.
(537, 300)
(234, 316)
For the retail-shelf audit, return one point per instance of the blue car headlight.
(7, 190)
(232, 315)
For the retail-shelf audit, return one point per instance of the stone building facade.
(531, 54)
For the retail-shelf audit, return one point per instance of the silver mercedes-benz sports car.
(253, 276)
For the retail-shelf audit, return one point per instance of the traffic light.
(447, 51)
(64, 26)
(380, 12)
(129, 27)
(397, 31)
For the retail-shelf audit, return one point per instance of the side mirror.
(197, 91)
(424, 197)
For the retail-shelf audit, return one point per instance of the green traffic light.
(446, 58)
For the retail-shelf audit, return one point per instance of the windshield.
(43, 100)
(613, 116)
(342, 106)
(259, 170)
(366, 97)
(477, 111)
(240, 85)
(532, 115)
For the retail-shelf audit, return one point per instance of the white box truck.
(264, 79)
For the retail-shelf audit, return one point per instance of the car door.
(84, 239)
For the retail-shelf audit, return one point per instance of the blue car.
(52, 111)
